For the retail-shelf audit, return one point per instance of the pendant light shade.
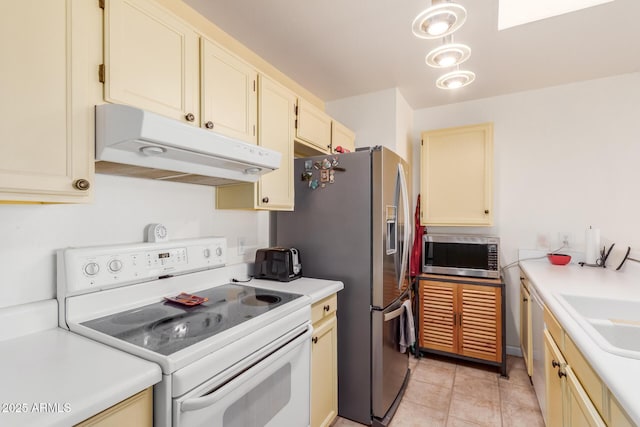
(439, 20)
(448, 55)
(455, 79)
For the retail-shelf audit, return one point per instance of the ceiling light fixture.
(448, 55)
(439, 20)
(455, 79)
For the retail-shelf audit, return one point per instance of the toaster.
(277, 263)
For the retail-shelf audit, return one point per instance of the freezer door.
(392, 227)
(389, 367)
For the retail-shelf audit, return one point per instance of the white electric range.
(242, 358)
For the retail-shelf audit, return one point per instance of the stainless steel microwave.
(461, 255)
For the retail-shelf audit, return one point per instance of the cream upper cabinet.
(51, 51)
(151, 59)
(456, 176)
(313, 127)
(343, 137)
(274, 190)
(228, 93)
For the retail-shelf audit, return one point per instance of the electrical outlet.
(241, 246)
(542, 241)
(565, 239)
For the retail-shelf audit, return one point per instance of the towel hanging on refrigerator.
(407, 327)
(416, 250)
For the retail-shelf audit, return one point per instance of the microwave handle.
(197, 403)
(407, 225)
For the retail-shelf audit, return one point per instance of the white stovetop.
(620, 374)
(78, 377)
(52, 377)
(317, 289)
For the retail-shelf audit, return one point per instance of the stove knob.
(206, 253)
(219, 251)
(115, 265)
(91, 269)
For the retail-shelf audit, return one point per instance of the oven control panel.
(87, 269)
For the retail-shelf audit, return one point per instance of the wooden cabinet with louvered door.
(480, 322)
(463, 318)
(437, 312)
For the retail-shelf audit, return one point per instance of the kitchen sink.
(614, 324)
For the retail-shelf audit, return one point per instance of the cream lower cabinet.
(151, 59)
(526, 333)
(51, 51)
(136, 411)
(456, 176)
(324, 362)
(274, 190)
(576, 396)
(567, 402)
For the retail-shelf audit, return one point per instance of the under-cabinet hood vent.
(134, 142)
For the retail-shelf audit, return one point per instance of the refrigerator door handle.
(407, 227)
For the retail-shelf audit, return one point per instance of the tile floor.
(449, 393)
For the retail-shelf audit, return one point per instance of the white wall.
(30, 234)
(379, 118)
(566, 158)
(404, 127)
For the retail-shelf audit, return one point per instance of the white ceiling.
(342, 48)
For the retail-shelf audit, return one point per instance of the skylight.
(518, 12)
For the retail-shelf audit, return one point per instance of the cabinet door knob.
(265, 200)
(209, 125)
(561, 373)
(81, 184)
(525, 299)
(190, 117)
(327, 307)
(554, 363)
(315, 340)
(486, 211)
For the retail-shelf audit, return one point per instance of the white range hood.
(158, 147)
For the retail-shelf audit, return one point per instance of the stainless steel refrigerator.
(351, 223)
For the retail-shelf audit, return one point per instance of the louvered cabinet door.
(480, 325)
(438, 316)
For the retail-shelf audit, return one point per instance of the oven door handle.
(197, 403)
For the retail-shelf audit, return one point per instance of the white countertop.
(317, 289)
(53, 377)
(620, 374)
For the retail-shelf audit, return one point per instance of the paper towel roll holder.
(602, 261)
